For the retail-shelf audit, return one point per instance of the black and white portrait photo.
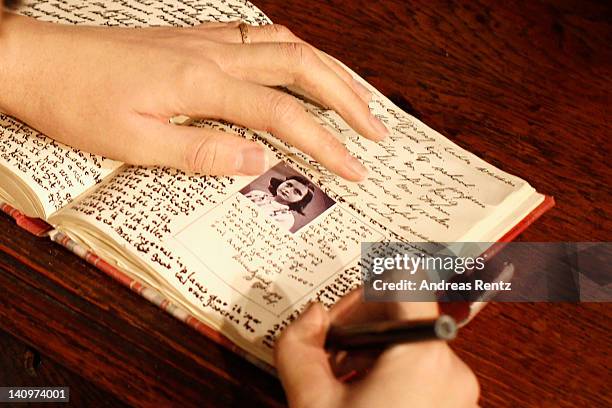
(287, 197)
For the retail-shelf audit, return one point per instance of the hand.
(7, 3)
(111, 91)
(427, 374)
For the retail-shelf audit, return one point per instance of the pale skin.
(112, 91)
(427, 374)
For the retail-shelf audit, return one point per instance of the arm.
(111, 91)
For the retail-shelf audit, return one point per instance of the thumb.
(200, 150)
(302, 362)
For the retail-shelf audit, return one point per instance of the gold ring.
(244, 33)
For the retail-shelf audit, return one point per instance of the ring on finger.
(244, 33)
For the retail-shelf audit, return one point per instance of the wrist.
(18, 59)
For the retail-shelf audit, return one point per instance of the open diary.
(221, 252)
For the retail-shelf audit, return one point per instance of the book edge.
(39, 227)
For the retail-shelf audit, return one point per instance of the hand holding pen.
(421, 374)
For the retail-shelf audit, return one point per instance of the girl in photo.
(283, 199)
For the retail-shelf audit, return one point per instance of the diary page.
(246, 261)
(54, 173)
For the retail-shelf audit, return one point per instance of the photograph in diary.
(287, 197)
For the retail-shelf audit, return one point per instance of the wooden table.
(524, 85)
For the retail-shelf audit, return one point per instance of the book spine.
(154, 296)
(34, 226)
(40, 228)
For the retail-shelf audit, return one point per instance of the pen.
(387, 333)
(506, 275)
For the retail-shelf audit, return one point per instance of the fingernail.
(363, 92)
(378, 126)
(251, 161)
(180, 120)
(356, 167)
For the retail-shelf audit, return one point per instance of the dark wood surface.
(24, 365)
(523, 84)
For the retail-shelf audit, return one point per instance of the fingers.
(276, 33)
(353, 365)
(412, 310)
(297, 64)
(262, 108)
(214, 25)
(405, 372)
(352, 309)
(198, 150)
(302, 361)
(280, 33)
(245, 103)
